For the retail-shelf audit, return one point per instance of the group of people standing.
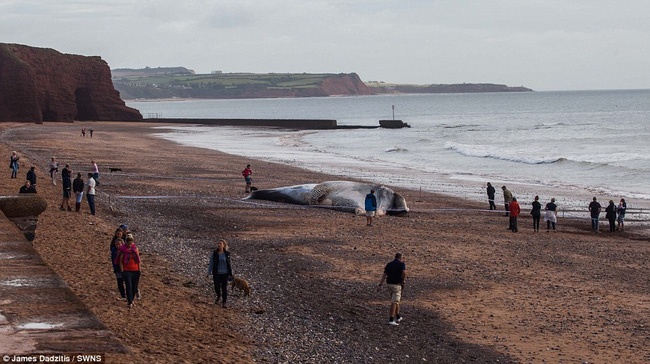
(613, 214)
(70, 186)
(513, 210)
(76, 186)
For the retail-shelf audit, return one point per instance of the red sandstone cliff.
(345, 84)
(39, 84)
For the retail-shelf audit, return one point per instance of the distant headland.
(180, 82)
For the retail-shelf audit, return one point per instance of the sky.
(540, 44)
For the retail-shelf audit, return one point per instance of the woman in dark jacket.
(537, 213)
(115, 247)
(78, 189)
(610, 214)
(220, 269)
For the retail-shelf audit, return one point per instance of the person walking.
(128, 257)
(507, 199)
(537, 213)
(395, 277)
(78, 189)
(66, 183)
(54, 167)
(116, 243)
(247, 173)
(594, 211)
(83, 132)
(90, 193)
(371, 207)
(490, 192)
(14, 165)
(515, 209)
(550, 214)
(91, 132)
(622, 206)
(610, 215)
(31, 176)
(220, 268)
(95, 172)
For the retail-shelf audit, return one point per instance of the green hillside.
(221, 85)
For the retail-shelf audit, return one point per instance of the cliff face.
(345, 84)
(38, 84)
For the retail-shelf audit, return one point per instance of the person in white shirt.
(90, 193)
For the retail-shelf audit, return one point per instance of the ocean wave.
(395, 149)
(487, 151)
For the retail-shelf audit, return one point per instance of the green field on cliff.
(180, 82)
(218, 85)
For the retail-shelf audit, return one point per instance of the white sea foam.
(569, 144)
(488, 151)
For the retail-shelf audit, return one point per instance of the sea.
(570, 145)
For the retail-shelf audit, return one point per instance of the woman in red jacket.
(514, 212)
(128, 258)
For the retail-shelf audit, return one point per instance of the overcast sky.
(541, 44)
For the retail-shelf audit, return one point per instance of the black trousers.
(513, 224)
(536, 222)
(612, 225)
(221, 286)
(492, 205)
(131, 280)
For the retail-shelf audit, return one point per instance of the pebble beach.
(476, 292)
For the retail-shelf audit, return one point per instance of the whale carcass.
(340, 195)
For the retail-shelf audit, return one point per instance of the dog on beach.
(242, 285)
(253, 188)
(112, 169)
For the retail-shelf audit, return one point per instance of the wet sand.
(476, 292)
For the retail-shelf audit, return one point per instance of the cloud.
(544, 44)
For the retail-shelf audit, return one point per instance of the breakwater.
(302, 124)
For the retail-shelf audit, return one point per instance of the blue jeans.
(96, 178)
(594, 223)
(14, 170)
(131, 280)
(91, 203)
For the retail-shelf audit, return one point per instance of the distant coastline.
(178, 83)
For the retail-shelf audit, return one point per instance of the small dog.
(115, 169)
(242, 284)
(253, 188)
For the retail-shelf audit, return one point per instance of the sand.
(476, 292)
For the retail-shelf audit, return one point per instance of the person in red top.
(515, 209)
(247, 172)
(128, 257)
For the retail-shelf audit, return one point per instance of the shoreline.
(476, 292)
(572, 200)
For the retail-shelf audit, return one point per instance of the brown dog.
(242, 284)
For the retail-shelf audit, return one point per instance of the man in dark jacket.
(27, 188)
(490, 193)
(594, 211)
(31, 176)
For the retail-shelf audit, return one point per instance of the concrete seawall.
(39, 313)
(279, 123)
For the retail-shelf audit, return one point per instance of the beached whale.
(340, 195)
